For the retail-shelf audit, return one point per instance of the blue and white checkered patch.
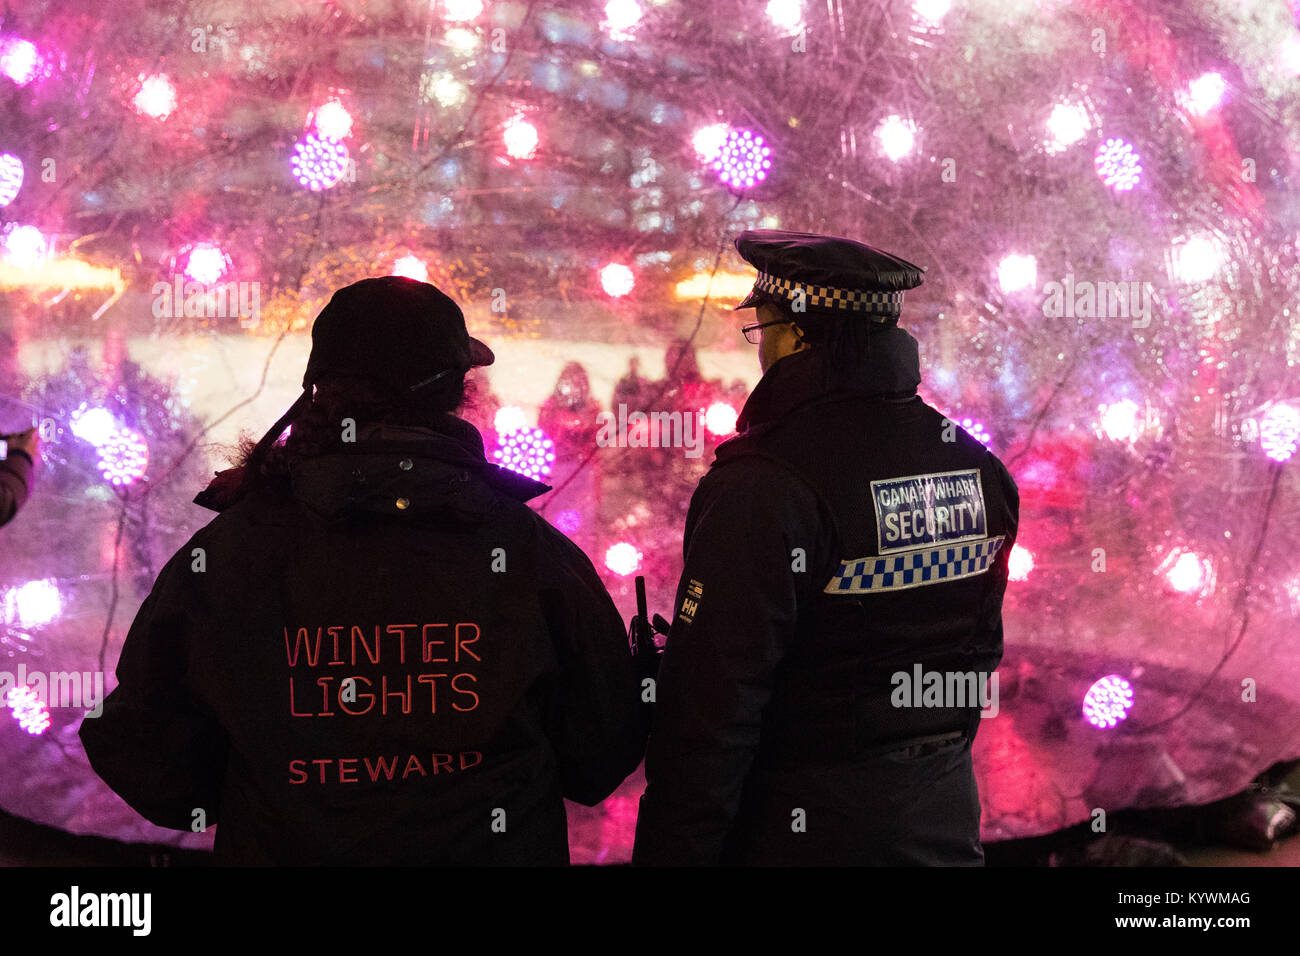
(898, 572)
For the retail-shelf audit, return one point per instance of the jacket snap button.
(405, 464)
(403, 503)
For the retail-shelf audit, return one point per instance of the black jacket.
(777, 736)
(395, 662)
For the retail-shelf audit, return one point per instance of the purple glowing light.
(1188, 572)
(976, 430)
(157, 97)
(709, 140)
(622, 18)
(206, 263)
(1198, 259)
(33, 604)
(720, 419)
(617, 280)
(1067, 124)
(24, 247)
(333, 121)
(1108, 701)
(1118, 165)
(123, 457)
(319, 163)
(412, 267)
(743, 160)
(93, 425)
(1120, 420)
(1016, 272)
(1279, 431)
(623, 558)
(897, 137)
(19, 59)
(1205, 93)
(527, 451)
(1020, 563)
(11, 177)
(520, 138)
(568, 521)
(28, 709)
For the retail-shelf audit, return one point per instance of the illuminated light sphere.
(932, 10)
(720, 419)
(1197, 259)
(520, 137)
(28, 709)
(1186, 571)
(897, 137)
(1016, 272)
(11, 177)
(1288, 55)
(157, 97)
(509, 418)
(1020, 563)
(1119, 420)
(1107, 701)
(19, 59)
(1279, 431)
(444, 88)
(1067, 124)
(24, 246)
(976, 430)
(617, 279)
(568, 521)
(94, 425)
(319, 163)
(623, 558)
(33, 604)
(462, 40)
(786, 15)
(458, 11)
(1118, 165)
(709, 140)
(743, 160)
(206, 263)
(333, 121)
(527, 451)
(412, 267)
(123, 457)
(1205, 93)
(621, 18)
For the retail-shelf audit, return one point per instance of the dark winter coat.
(778, 738)
(397, 662)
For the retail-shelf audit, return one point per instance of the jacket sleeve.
(599, 724)
(15, 483)
(154, 744)
(734, 620)
(999, 571)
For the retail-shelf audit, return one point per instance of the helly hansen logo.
(691, 601)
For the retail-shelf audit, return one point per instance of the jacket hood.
(394, 469)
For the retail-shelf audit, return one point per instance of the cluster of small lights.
(621, 18)
(520, 138)
(709, 140)
(897, 137)
(94, 425)
(319, 163)
(743, 160)
(1279, 431)
(1119, 420)
(527, 451)
(1205, 93)
(1016, 272)
(19, 59)
(568, 521)
(1198, 259)
(157, 97)
(1107, 701)
(24, 246)
(1118, 165)
(617, 279)
(1067, 125)
(28, 709)
(1020, 563)
(623, 558)
(720, 419)
(444, 88)
(413, 267)
(206, 263)
(11, 177)
(333, 121)
(33, 604)
(976, 430)
(123, 457)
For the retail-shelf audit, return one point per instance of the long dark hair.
(316, 425)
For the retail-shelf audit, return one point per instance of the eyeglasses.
(749, 330)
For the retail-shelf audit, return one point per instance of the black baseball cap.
(392, 329)
(832, 275)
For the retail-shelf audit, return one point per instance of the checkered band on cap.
(885, 304)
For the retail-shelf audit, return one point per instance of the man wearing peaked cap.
(845, 551)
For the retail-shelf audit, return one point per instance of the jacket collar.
(892, 371)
